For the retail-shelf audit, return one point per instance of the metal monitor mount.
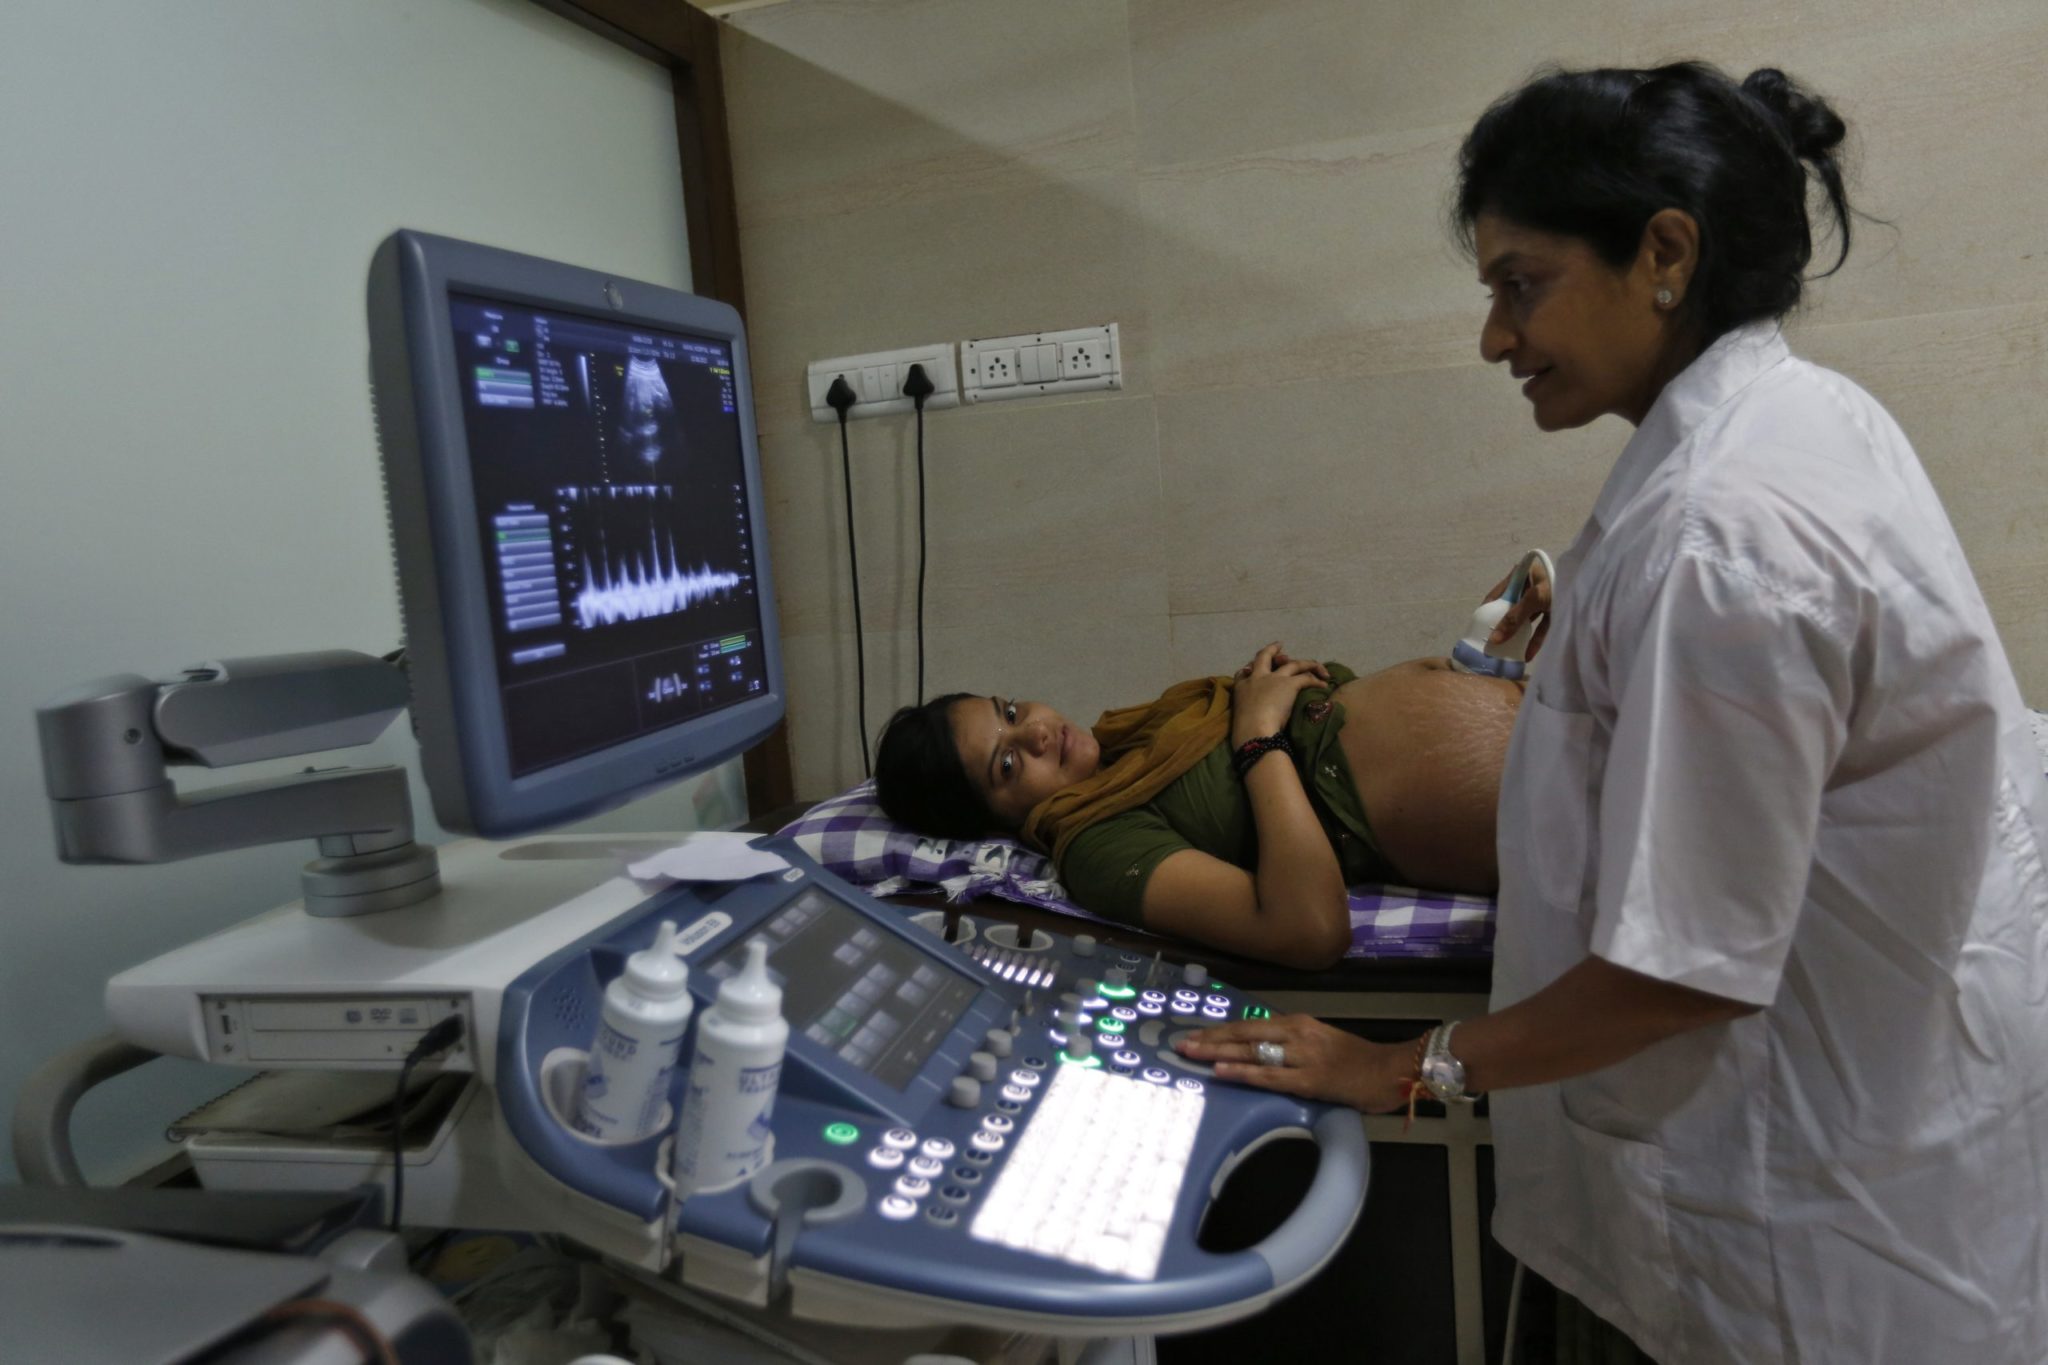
(107, 746)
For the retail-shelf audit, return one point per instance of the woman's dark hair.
(1593, 154)
(919, 778)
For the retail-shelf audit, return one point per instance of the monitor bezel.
(444, 587)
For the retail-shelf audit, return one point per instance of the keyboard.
(1097, 1174)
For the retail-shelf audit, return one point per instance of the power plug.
(918, 386)
(841, 397)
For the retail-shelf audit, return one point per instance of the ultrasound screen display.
(858, 992)
(612, 500)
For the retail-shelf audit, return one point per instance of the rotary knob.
(1080, 1046)
(1117, 976)
(1084, 945)
(965, 1092)
(982, 1066)
(996, 1042)
(1194, 974)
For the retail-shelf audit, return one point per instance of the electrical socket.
(998, 368)
(1081, 359)
(1034, 363)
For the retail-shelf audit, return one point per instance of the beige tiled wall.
(1307, 446)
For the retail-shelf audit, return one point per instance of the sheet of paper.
(708, 856)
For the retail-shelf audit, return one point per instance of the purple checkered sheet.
(850, 836)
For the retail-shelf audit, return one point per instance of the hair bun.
(1814, 129)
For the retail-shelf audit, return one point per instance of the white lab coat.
(1773, 749)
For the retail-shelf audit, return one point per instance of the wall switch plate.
(1036, 363)
(877, 381)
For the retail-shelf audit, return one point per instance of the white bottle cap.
(656, 973)
(751, 996)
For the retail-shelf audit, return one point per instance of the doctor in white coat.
(1768, 1046)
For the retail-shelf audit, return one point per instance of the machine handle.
(1320, 1223)
(42, 1111)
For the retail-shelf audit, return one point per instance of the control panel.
(998, 1131)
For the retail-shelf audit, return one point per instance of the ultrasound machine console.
(1002, 1135)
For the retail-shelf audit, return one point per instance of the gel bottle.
(633, 1058)
(723, 1136)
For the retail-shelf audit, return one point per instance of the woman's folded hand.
(1263, 701)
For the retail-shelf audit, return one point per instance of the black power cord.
(918, 386)
(437, 1039)
(841, 397)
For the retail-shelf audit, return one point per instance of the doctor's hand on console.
(1594, 1015)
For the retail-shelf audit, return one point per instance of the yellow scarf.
(1144, 748)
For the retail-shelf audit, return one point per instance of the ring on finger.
(1271, 1054)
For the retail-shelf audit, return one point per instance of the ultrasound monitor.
(575, 501)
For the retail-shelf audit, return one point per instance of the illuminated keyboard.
(1096, 1176)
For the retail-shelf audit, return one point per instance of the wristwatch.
(1442, 1074)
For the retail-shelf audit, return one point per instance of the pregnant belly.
(1426, 746)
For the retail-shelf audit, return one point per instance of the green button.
(1116, 992)
(843, 1134)
(1110, 1025)
(1257, 1012)
(1079, 1061)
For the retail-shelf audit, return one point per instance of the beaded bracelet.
(1416, 1089)
(1252, 750)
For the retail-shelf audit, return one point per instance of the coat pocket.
(1547, 806)
(1626, 1239)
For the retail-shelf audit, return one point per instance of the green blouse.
(1206, 808)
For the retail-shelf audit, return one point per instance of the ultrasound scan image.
(647, 428)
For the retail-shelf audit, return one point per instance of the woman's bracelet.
(1252, 750)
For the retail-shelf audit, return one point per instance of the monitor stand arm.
(107, 746)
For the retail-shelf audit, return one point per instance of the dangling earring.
(1663, 298)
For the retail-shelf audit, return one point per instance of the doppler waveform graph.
(626, 562)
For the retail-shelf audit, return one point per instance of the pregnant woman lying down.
(1232, 811)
